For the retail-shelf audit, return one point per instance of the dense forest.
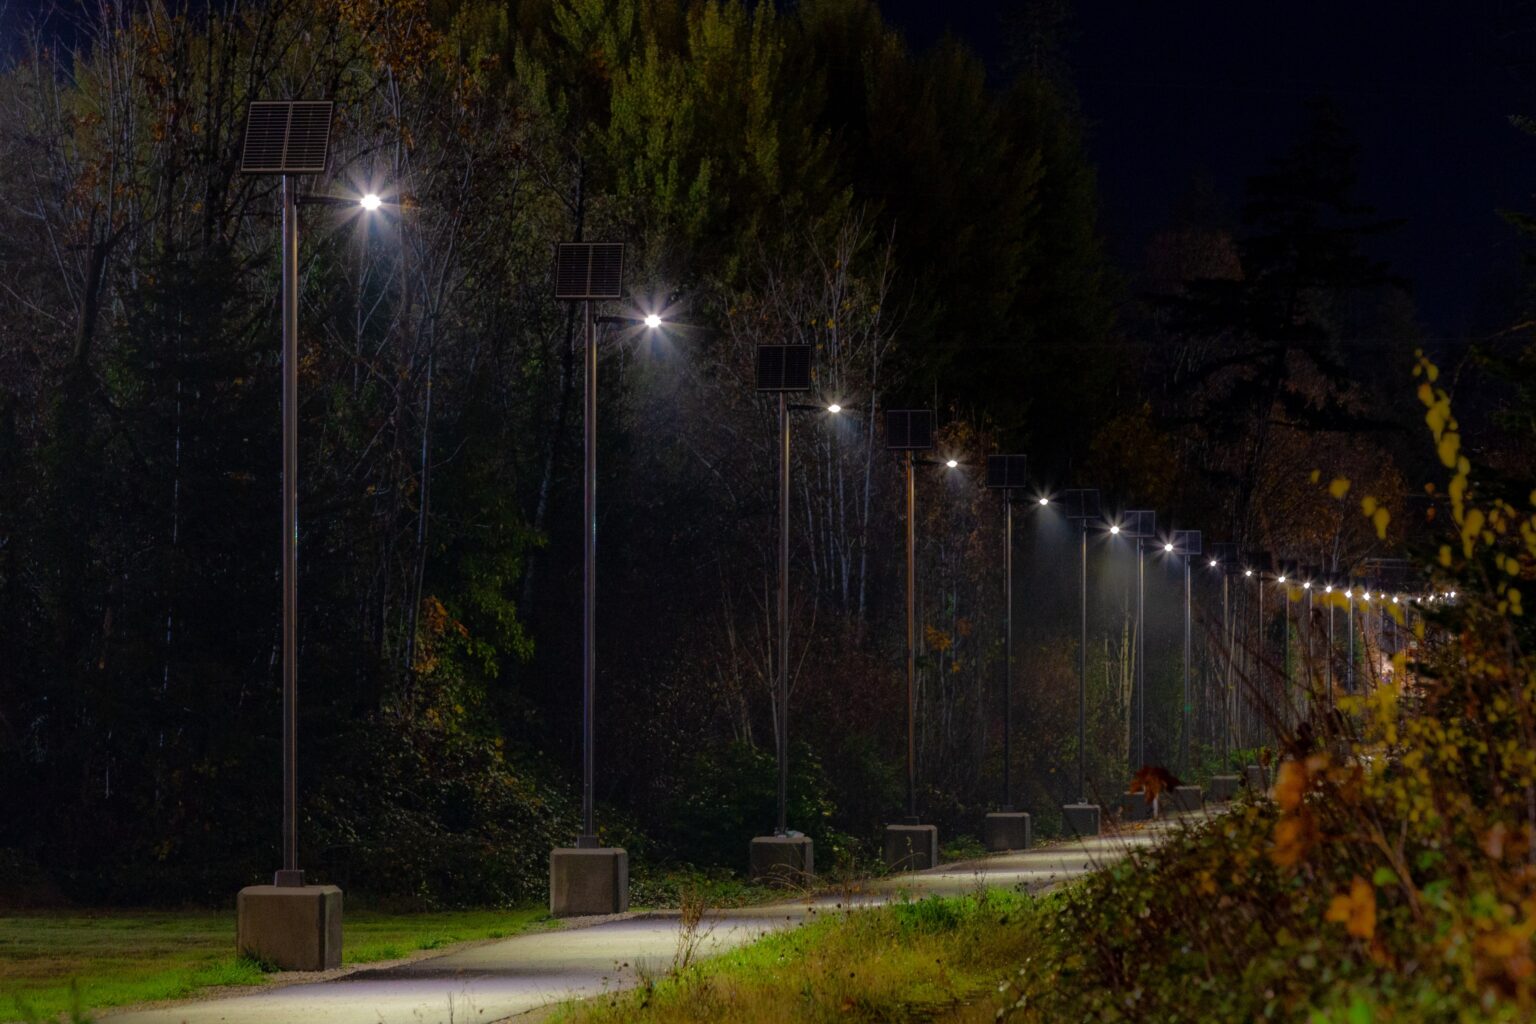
(791, 174)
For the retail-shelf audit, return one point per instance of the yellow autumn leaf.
(1340, 487)
(1380, 518)
(1356, 910)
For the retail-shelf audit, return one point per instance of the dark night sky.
(1183, 88)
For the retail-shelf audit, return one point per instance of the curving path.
(502, 978)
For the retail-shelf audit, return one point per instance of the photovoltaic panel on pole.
(287, 137)
(783, 367)
(1140, 523)
(908, 429)
(1228, 556)
(589, 271)
(1186, 542)
(1081, 503)
(1007, 472)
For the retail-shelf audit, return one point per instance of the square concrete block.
(1008, 830)
(1081, 819)
(1183, 800)
(294, 927)
(585, 881)
(1257, 779)
(1224, 787)
(911, 847)
(786, 860)
(1135, 807)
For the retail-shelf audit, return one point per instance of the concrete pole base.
(783, 860)
(1082, 820)
(1257, 779)
(1008, 830)
(1135, 807)
(292, 927)
(588, 880)
(1184, 800)
(1224, 787)
(911, 847)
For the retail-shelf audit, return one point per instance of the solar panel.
(783, 367)
(908, 429)
(589, 270)
(1081, 503)
(1008, 472)
(1225, 553)
(287, 137)
(1186, 542)
(1259, 561)
(1140, 522)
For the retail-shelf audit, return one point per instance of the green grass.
(116, 958)
(906, 961)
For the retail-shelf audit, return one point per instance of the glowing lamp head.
(1168, 547)
(1328, 589)
(834, 408)
(1306, 586)
(1452, 595)
(370, 202)
(1114, 531)
(1247, 572)
(1045, 501)
(652, 321)
(1394, 600)
(951, 463)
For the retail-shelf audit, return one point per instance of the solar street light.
(1226, 557)
(290, 139)
(782, 370)
(908, 431)
(1082, 507)
(1186, 543)
(1141, 524)
(1007, 473)
(590, 878)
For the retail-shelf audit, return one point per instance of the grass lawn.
(120, 957)
(906, 961)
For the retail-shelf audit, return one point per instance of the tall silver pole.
(1184, 754)
(1258, 674)
(783, 825)
(1141, 655)
(911, 652)
(1282, 706)
(1008, 651)
(1082, 678)
(1229, 631)
(1332, 653)
(290, 875)
(588, 838)
(1349, 624)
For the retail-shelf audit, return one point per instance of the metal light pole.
(588, 838)
(1349, 624)
(290, 139)
(1082, 505)
(290, 875)
(1008, 651)
(1142, 525)
(782, 826)
(911, 652)
(1188, 544)
(1008, 473)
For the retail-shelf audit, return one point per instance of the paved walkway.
(502, 978)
